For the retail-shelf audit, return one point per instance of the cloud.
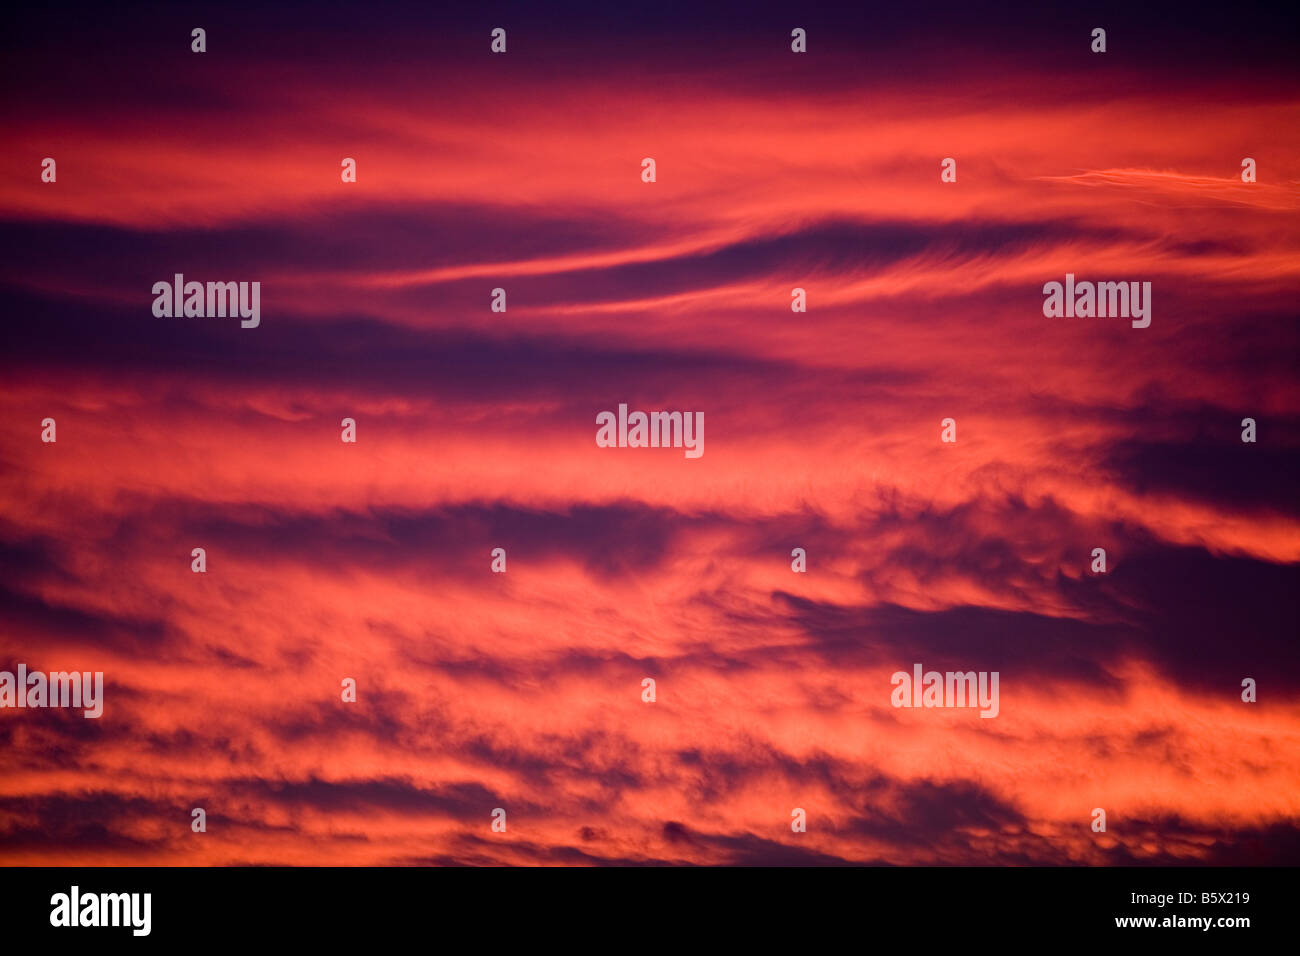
(522, 690)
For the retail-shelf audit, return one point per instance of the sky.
(476, 429)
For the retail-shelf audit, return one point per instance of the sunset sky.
(476, 430)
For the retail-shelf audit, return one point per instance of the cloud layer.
(476, 431)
